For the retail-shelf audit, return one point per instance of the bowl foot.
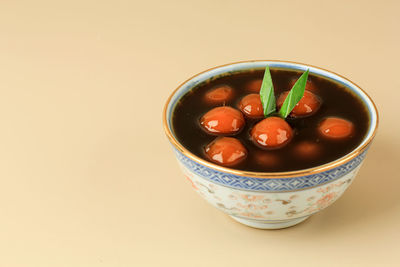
(270, 224)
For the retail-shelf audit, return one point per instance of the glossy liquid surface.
(336, 101)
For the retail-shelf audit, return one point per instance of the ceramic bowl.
(277, 199)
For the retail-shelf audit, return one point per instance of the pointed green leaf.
(294, 96)
(267, 94)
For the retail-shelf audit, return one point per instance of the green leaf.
(267, 94)
(294, 96)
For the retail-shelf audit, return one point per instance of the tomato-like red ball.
(226, 151)
(254, 86)
(219, 95)
(308, 104)
(266, 158)
(307, 150)
(336, 128)
(251, 106)
(309, 85)
(222, 120)
(272, 133)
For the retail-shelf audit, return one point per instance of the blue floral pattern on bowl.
(270, 185)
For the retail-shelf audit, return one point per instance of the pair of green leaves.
(268, 97)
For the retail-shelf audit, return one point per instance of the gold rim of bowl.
(271, 175)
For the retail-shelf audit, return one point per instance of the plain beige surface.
(87, 175)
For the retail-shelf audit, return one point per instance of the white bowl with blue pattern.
(269, 200)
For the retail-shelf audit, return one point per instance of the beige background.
(87, 175)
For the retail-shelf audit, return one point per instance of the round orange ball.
(308, 104)
(222, 120)
(251, 106)
(226, 151)
(272, 133)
